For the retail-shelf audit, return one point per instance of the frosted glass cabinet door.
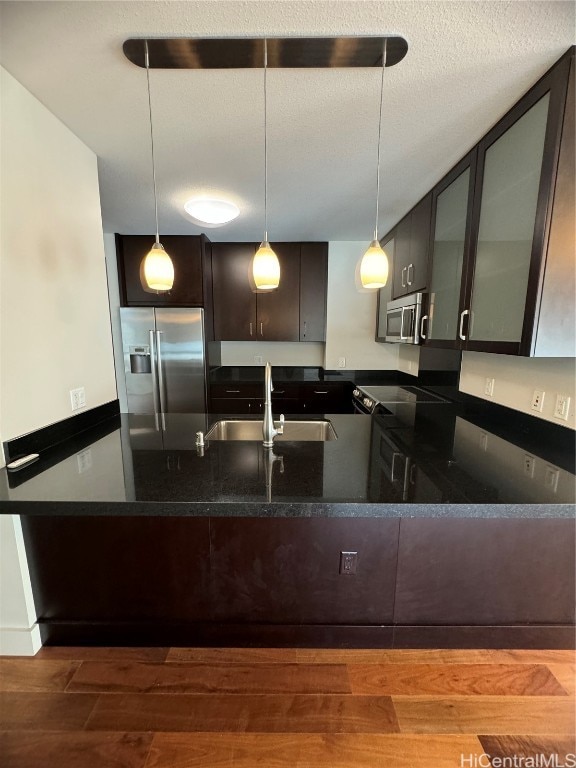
(512, 168)
(448, 259)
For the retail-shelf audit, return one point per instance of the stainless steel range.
(371, 399)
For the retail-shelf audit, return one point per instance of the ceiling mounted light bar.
(285, 53)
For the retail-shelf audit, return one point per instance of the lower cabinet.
(287, 398)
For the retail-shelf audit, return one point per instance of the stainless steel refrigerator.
(164, 359)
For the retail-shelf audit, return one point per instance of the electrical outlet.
(551, 475)
(258, 359)
(77, 398)
(562, 407)
(529, 465)
(489, 387)
(341, 362)
(348, 563)
(538, 400)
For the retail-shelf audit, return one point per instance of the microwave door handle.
(422, 321)
(402, 336)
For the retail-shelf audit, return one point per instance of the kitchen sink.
(237, 429)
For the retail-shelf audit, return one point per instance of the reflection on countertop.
(418, 459)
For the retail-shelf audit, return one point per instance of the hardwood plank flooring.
(478, 714)
(22, 674)
(252, 713)
(210, 678)
(282, 708)
(74, 750)
(309, 751)
(454, 680)
(529, 746)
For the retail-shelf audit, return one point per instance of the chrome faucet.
(269, 431)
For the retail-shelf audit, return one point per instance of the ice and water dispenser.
(140, 361)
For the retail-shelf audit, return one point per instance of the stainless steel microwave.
(401, 323)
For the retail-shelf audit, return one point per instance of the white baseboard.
(20, 642)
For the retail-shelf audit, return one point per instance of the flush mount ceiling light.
(211, 212)
(265, 265)
(374, 265)
(156, 269)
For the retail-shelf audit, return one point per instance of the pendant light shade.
(266, 268)
(374, 265)
(265, 264)
(156, 268)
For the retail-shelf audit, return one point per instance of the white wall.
(54, 319)
(277, 353)
(351, 315)
(114, 299)
(409, 359)
(55, 329)
(516, 378)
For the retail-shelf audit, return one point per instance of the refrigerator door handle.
(161, 388)
(154, 372)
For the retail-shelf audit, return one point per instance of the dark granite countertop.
(419, 460)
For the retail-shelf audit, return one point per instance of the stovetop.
(395, 394)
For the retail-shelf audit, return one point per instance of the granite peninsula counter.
(464, 534)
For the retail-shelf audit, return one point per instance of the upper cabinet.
(192, 271)
(411, 249)
(295, 311)
(502, 255)
(451, 211)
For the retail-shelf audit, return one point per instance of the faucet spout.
(269, 431)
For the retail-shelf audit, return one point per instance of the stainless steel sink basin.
(237, 429)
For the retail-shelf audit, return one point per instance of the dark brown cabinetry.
(502, 253)
(241, 398)
(185, 580)
(313, 291)
(191, 257)
(288, 398)
(485, 572)
(234, 300)
(296, 311)
(412, 240)
(287, 571)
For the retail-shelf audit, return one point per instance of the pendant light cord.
(379, 135)
(265, 144)
(147, 62)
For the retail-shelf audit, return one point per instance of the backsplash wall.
(516, 378)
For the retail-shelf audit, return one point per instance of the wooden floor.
(283, 708)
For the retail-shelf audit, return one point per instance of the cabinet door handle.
(305, 328)
(232, 391)
(460, 329)
(320, 391)
(251, 334)
(408, 280)
(261, 329)
(422, 334)
(403, 281)
(279, 391)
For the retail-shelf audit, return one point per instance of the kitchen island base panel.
(286, 636)
(186, 580)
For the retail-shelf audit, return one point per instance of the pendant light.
(265, 265)
(374, 264)
(156, 269)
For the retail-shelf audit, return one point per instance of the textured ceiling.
(467, 63)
